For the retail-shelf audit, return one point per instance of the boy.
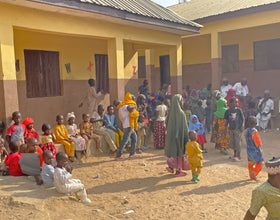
(63, 180)
(62, 137)
(17, 131)
(141, 133)
(195, 156)
(12, 160)
(86, 131)
(48, 169)
(254, 148)
(234, 120)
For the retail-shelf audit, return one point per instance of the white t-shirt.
(224, 90)
(241, 90)
(124, 116)
(47, 175)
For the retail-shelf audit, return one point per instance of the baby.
(195, 156)
(63, 180)
(47, 173)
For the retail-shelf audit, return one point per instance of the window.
(267, 54)
(141, 67)
(42, 73)
(230, 58)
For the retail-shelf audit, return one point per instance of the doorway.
(164, 62)
(102, 73)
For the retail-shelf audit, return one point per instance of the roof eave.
(239, 13)
(168, 26)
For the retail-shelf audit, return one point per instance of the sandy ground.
(142, 185)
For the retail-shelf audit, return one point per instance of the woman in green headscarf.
(220, 132)
(177, 137)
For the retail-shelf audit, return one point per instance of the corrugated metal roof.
(145, 8)
(197, 9)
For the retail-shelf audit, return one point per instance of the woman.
(232, 93)
(159, 126)
(220, 132)
(177, 137)
(91, 97)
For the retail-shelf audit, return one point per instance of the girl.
(80, 143)
(232, 93)
(254, 148)
(159, 125)
(198, 127)
(30, 131)
(48, 139)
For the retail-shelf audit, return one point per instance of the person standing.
(144, 89)
(242, 92)
(159, 125)
(265, 108)
(177, 137)
(225, 87)
(91, 97)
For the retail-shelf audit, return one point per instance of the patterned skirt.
(50, 146)
(159, 134)
(178, 163)
(220, 134)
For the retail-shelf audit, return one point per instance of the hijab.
(127, 101)
(194, 126)
(177, 129)
(229, 96)
(221, 108)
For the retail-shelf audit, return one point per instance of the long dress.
(159, 127)
(80, 143)
(177, 136)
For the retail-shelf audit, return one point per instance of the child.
(195, 155)
(62, 137)
(198, 127)
(80, 143)
(12, 159)
(17, 131)
(251, 111)
(187, 111)
(48, 169)
(141, 133)
(30, 131)
(86, 131)
(32, 147)
(159, 124)
(254, 148)
(48, 139)
(63, 180)
(133, 113)
(234, 120)
(208, 115)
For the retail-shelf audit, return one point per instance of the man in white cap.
(265, 108)
(225, 87)
(268, 194)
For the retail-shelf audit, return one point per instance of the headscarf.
(229, 96)
(194, 126)
(70, 115)
(273, 166)
(221, 108)
(127, 101)
(177, 129)
(28, 121)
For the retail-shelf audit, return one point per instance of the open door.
(102, 73)
(164, 62)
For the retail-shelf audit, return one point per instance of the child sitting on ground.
(12, 160)
(48, 139)
(195, 156)
(63, 137)
(47, 173)
(198, 127)
(254, 148)
(133, 113)
(63, 180)
(86, 131)
(30, 131)
(17, 131)
(141, 133)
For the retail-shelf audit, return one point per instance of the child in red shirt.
(12, 159)
(32, 147)
(17, 131)
(30, 131)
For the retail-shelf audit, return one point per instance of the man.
(267, 194)
(124, 117)
(207, 91)
(99, 129)
(144, 89)
(265, 108)
(225, 87)
(241, 88)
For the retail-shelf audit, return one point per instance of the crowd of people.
(179, 126)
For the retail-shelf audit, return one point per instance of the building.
(239, 39)
(49, 49)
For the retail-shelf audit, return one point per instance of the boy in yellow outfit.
(133, 114)
(62, 137)
(195, 156)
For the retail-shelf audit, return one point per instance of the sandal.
(180, 174)
(170, 170)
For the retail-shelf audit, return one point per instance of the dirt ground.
(142, 185)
